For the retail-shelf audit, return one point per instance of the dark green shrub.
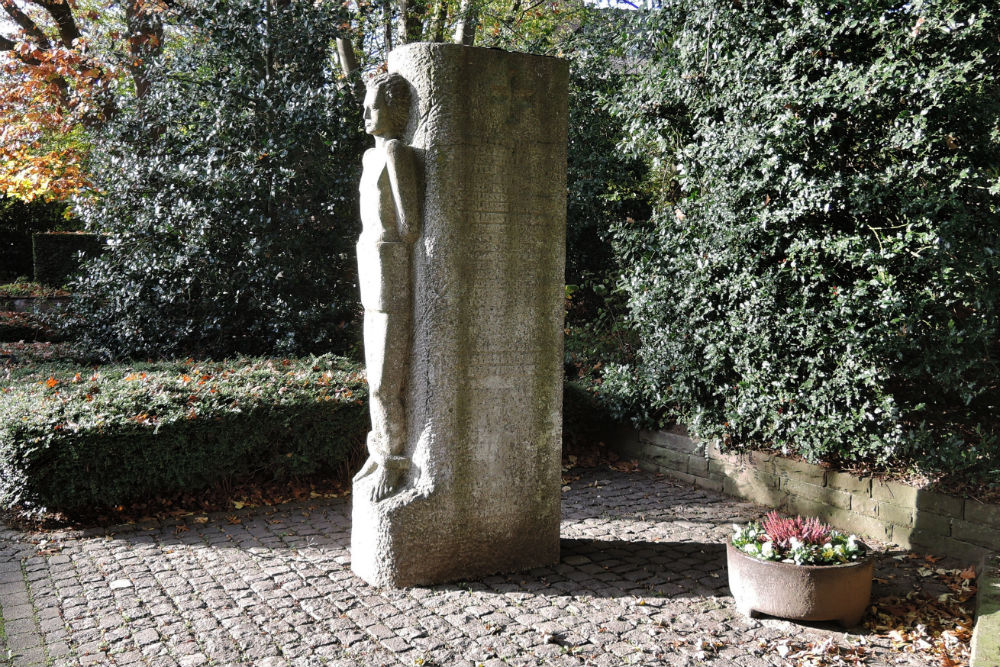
(230, 191)
(16, 326)
(586, 421)
(92, 438)
(826, 281)
(18, 221)
(58, 256)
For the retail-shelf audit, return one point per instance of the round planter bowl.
(800, 592)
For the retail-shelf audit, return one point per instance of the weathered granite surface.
(484, 391)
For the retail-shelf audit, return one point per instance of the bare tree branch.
(27, 25)
(62, 14)
(7, 44)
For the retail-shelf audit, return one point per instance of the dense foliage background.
(821, 271)
(781, 226)
(228, 192)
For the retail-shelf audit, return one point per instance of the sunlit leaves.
(231, 191)
(822, 276)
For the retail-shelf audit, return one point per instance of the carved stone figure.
(390, 218)
(463, 315)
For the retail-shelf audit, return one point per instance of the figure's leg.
(395, 371)
(376, 324)
(374, 339)
(387, 350)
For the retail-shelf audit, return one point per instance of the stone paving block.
(861, 504)
(755, 486)
(647, 555)
(802, 471)
(977, 512)
(940, 504)
(29, 657)
(977, 534)
(17, 612)
(895, 514)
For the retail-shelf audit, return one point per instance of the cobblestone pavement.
(641, 581)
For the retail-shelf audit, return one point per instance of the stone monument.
(461, 265)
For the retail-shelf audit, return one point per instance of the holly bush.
(825, 279)
(228, 193)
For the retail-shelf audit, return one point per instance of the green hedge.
(827, 280)
(58, 256)
(86, 439)
(18, 221)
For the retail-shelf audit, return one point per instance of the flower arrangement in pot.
(800, 569)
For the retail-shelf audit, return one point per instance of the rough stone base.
(396, 545)
(986, 636)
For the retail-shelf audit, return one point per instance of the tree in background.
(61, 66)
(822, 273)
(229, 190)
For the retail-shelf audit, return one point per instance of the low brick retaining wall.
(884, 510)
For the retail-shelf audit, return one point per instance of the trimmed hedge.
(18, 221)
(23, 326)
(86, 439)
(59, 255)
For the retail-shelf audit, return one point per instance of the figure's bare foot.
(386, 483)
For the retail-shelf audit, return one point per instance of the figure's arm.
(401, 163)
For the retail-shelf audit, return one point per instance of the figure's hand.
(386, 483)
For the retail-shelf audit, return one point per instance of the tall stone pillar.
(483, 401)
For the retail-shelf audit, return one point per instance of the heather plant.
(797, 540)
(783, 530)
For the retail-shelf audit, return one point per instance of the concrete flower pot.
(800, 592)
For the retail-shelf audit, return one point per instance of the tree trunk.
(387, 27)
(348, 59)
(145, 41)
(349, 64)
(404, 9)
(438, 21)
(465, 31)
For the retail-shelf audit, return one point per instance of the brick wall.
(886, 511)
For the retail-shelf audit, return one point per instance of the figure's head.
(387, 105)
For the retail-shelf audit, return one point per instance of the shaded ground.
(641, 580)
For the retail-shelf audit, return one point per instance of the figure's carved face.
(387, 106)
(378, 120)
